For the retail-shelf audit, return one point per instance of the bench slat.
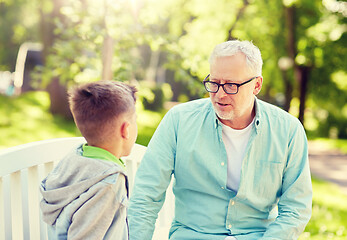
(2, 212)
(16, 206)
(33, 202)
(23, 167)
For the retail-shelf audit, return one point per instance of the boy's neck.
(114, 149)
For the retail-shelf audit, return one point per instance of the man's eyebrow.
(216, 79)
(226, 80)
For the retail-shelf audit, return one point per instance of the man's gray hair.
(230, 48)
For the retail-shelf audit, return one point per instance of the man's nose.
(221, 93)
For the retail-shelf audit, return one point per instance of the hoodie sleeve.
(103, 213)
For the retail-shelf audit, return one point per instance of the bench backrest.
(21, 170)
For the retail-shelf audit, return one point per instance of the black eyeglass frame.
(222, 85)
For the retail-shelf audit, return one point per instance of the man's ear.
(258, 85)
(124, 130)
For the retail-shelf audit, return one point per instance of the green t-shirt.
(99, 153)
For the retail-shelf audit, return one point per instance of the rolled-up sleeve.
(295, 203)
(152, 180)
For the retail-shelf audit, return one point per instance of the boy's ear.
(125, 130)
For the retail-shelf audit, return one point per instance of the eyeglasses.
(229, 88)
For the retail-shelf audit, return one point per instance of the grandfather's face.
(234, 110)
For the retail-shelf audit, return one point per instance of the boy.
(85, 196)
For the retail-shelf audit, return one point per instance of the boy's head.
(104, 112)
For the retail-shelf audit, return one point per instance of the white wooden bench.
(23, 167)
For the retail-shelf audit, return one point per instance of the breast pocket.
(268, 179)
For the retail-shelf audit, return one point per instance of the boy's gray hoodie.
(85, 198)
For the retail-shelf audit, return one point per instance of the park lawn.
(329, 213)
(328, 144)
(26, 119)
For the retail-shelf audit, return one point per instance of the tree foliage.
(17, 24)
(303, 45)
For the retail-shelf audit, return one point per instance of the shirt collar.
(257, 114)
(99, 153)
(216, 120)
(256, 118)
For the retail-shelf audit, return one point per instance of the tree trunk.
(301, 73)
(57, 92)
(107, 48)
(107, 56)
(303, 76)
(238, 16)
(288, 91)
(291, 51)
(151, 71)
(59, 99)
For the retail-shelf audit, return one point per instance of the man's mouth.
(222, 104)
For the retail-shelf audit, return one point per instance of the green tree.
(298, 40)
(17, 24)
(87, 40)
(303, 44)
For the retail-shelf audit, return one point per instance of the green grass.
(147, 122)
(26, 119)
(329, 144)
(329, 213)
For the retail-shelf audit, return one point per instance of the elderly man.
(240, 165)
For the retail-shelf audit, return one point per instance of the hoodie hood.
(73, 176)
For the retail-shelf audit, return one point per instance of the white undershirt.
(235, 142)
(230, 238)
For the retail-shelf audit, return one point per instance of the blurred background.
(162, 47)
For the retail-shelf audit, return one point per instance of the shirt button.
(232, 203)
(229, 226)
(222, 163)
(222, 187)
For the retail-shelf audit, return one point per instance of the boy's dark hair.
(96, 105)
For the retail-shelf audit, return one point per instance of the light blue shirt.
(274, 199)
